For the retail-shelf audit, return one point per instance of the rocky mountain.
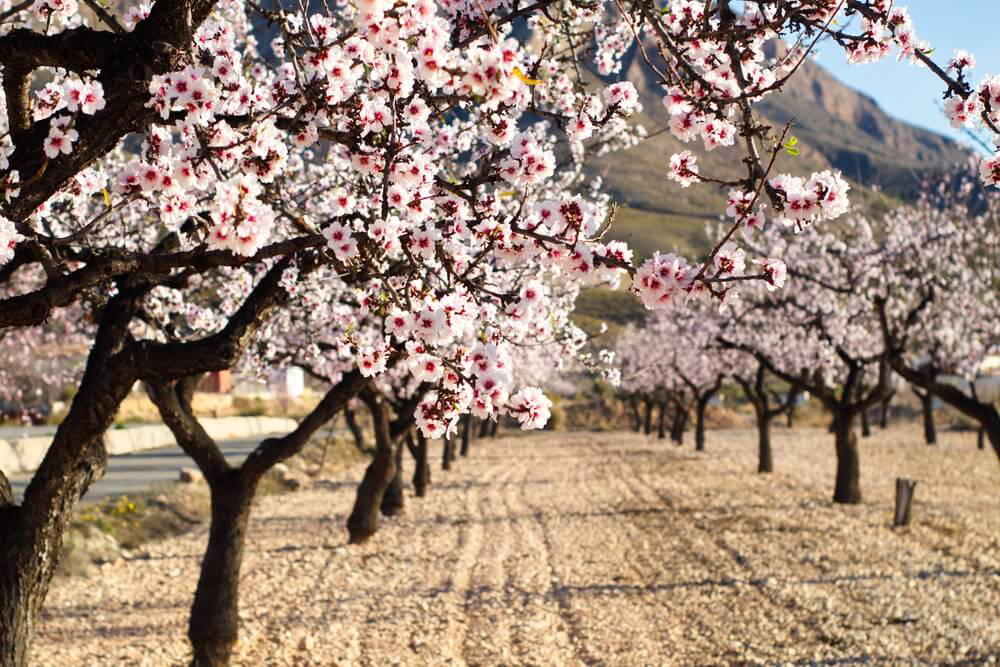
(836, 126)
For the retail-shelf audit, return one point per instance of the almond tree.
(817, 333)
(751, 376)
(940, 324)
(397, 142)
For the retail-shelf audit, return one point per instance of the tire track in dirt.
(541, 527)
(665, 535)
(486, 633)
(546, 619)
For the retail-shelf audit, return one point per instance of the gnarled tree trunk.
(31, 534)
(213, 627)
(352, 424)
(647, 420)
(363, 522)
(847, 489)
(393, 499)
(661, 431)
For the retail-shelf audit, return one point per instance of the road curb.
(26, 454)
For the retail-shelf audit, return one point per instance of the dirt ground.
(591, 549)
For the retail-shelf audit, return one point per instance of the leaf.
(107, 197)
(508, 193)
(524, 78)
(790, 146)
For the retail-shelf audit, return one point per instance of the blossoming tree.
(408, 147)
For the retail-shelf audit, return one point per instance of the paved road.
(140, 471)
(16, 432)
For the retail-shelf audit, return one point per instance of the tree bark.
(699, 424)
(466, 433)
(633, 402)
(352, 424)
(393, 499)
(679, 424)
(494, 425)
(866, 427)
(765, 459)
(363, 522)
(448, 452)
(422, 471)
(31, 534)
(883, 420)
(661, 431)
(213, 627)
(990, 426)
(847, 489)
(792, 404)
(927, 410)
(484, 428)
(981, 438)
(647, 420)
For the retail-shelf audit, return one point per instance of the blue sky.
(913, 93)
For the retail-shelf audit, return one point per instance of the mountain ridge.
(837, 127)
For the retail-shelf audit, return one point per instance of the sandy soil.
(592, 549)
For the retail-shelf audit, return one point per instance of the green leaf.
(790, 146)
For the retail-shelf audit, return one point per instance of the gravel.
(591, 549)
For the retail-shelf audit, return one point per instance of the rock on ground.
(591, 549)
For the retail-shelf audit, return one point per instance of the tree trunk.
(466, 428)
(352, 424)
(866, 427)
(393, 499)
(22, 592)
(647, 420)
(448, 453)
(765, 460)
(883, 420)
(363, 521)
(661, 432)
(848, 486)
(484, 428)
(636, 417)
(927, 408)
(31, 534)
(991, 427)
(213, 627)
(981, 438)
(699, 423)
(792, 405)
(422, 471)
(493, 428)
(678, 426)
